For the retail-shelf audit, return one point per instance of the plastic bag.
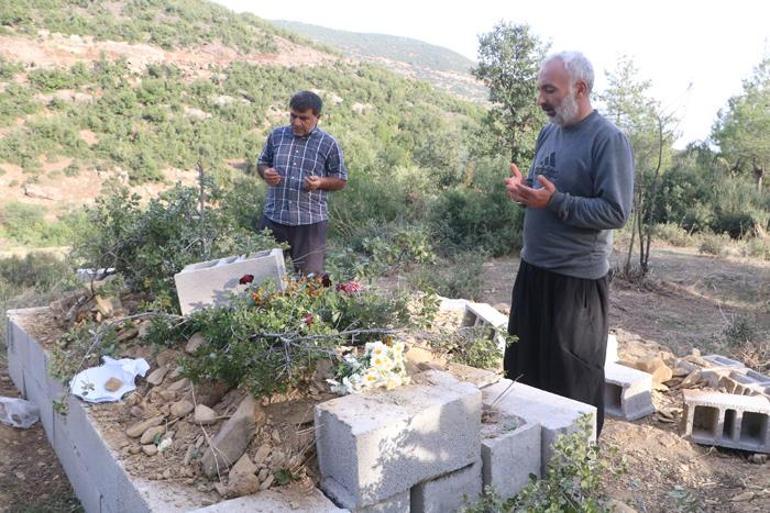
(108, 382)
(18, 412)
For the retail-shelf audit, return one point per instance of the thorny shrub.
(270, 340)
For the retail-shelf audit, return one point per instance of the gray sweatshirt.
(592, 167)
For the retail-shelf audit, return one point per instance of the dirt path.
(31, 479)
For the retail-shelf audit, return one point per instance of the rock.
(138, 429)
(175, 373)
(211, 392)
(134, 449)
(166, 358)
(167, 395)
(204, 415)
(242, 480)
(196, 342)
(232, 439)
(263, 474)
(156, 377)
(267, 482)
(655, 366)
(616, 506)
(127, 334)
(178, 386)
(150, 450)
(262, 454)
(759, 459)
(137, 411)
(113, 385)
(103, 305)
(188, 455)
(181, 408)
(148, 437)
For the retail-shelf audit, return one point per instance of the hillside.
(440, 66)
(138, 91)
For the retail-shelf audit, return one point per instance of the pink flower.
(308, 319)
(246, 278)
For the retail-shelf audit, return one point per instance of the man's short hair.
(578, 67)
(305, 100)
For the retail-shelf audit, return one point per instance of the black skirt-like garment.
(562, 325)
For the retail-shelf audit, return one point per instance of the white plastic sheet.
(118, 375)
(18, 412)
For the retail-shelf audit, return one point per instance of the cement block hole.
(754, 428)
(729, 425)
(612, 399)
(704, 421)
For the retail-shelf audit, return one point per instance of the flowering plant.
(381, 366)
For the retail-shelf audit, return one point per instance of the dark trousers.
(307, 243)
(562, 325)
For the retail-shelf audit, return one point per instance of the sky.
(695, 53)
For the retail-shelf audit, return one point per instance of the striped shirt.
(296, 158)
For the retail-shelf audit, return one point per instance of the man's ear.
(581, 88)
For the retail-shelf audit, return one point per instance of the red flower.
(308, 319)
(349, 287)
(246, 278)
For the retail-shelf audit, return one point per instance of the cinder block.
(612, 349)
(723, 361)
(479, 377)
(727, 420)
(555, 414)
(377, 445)
(509, 457)
(15, 343)
(211, 283)
(627, 392)
(448, 493)
(286, 499)
(452, 305)
(399, 503)
(479, 314)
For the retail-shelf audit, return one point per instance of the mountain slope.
(442, 67)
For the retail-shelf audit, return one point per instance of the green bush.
(672, 234)
(457, 276)
(25, 224)
(714, 244)
(573, 482)
(270, 341)
(148, 244)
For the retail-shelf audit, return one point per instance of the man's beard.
(566, 113)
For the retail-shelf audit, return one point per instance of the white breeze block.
(447, 494)
(477, 314)
(555, 414)
(285, 499)
(727, 420)
(373, 446)
(627, 392)
(612, 349)
(723, 361)
(210, 283)
(509, 457)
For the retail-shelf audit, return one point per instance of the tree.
(649, 131)
(743, 130)
(509, 62)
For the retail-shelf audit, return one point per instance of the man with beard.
(301, 164)
(579, 188)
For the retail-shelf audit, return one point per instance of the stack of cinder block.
(212, 283)
(423, 448)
